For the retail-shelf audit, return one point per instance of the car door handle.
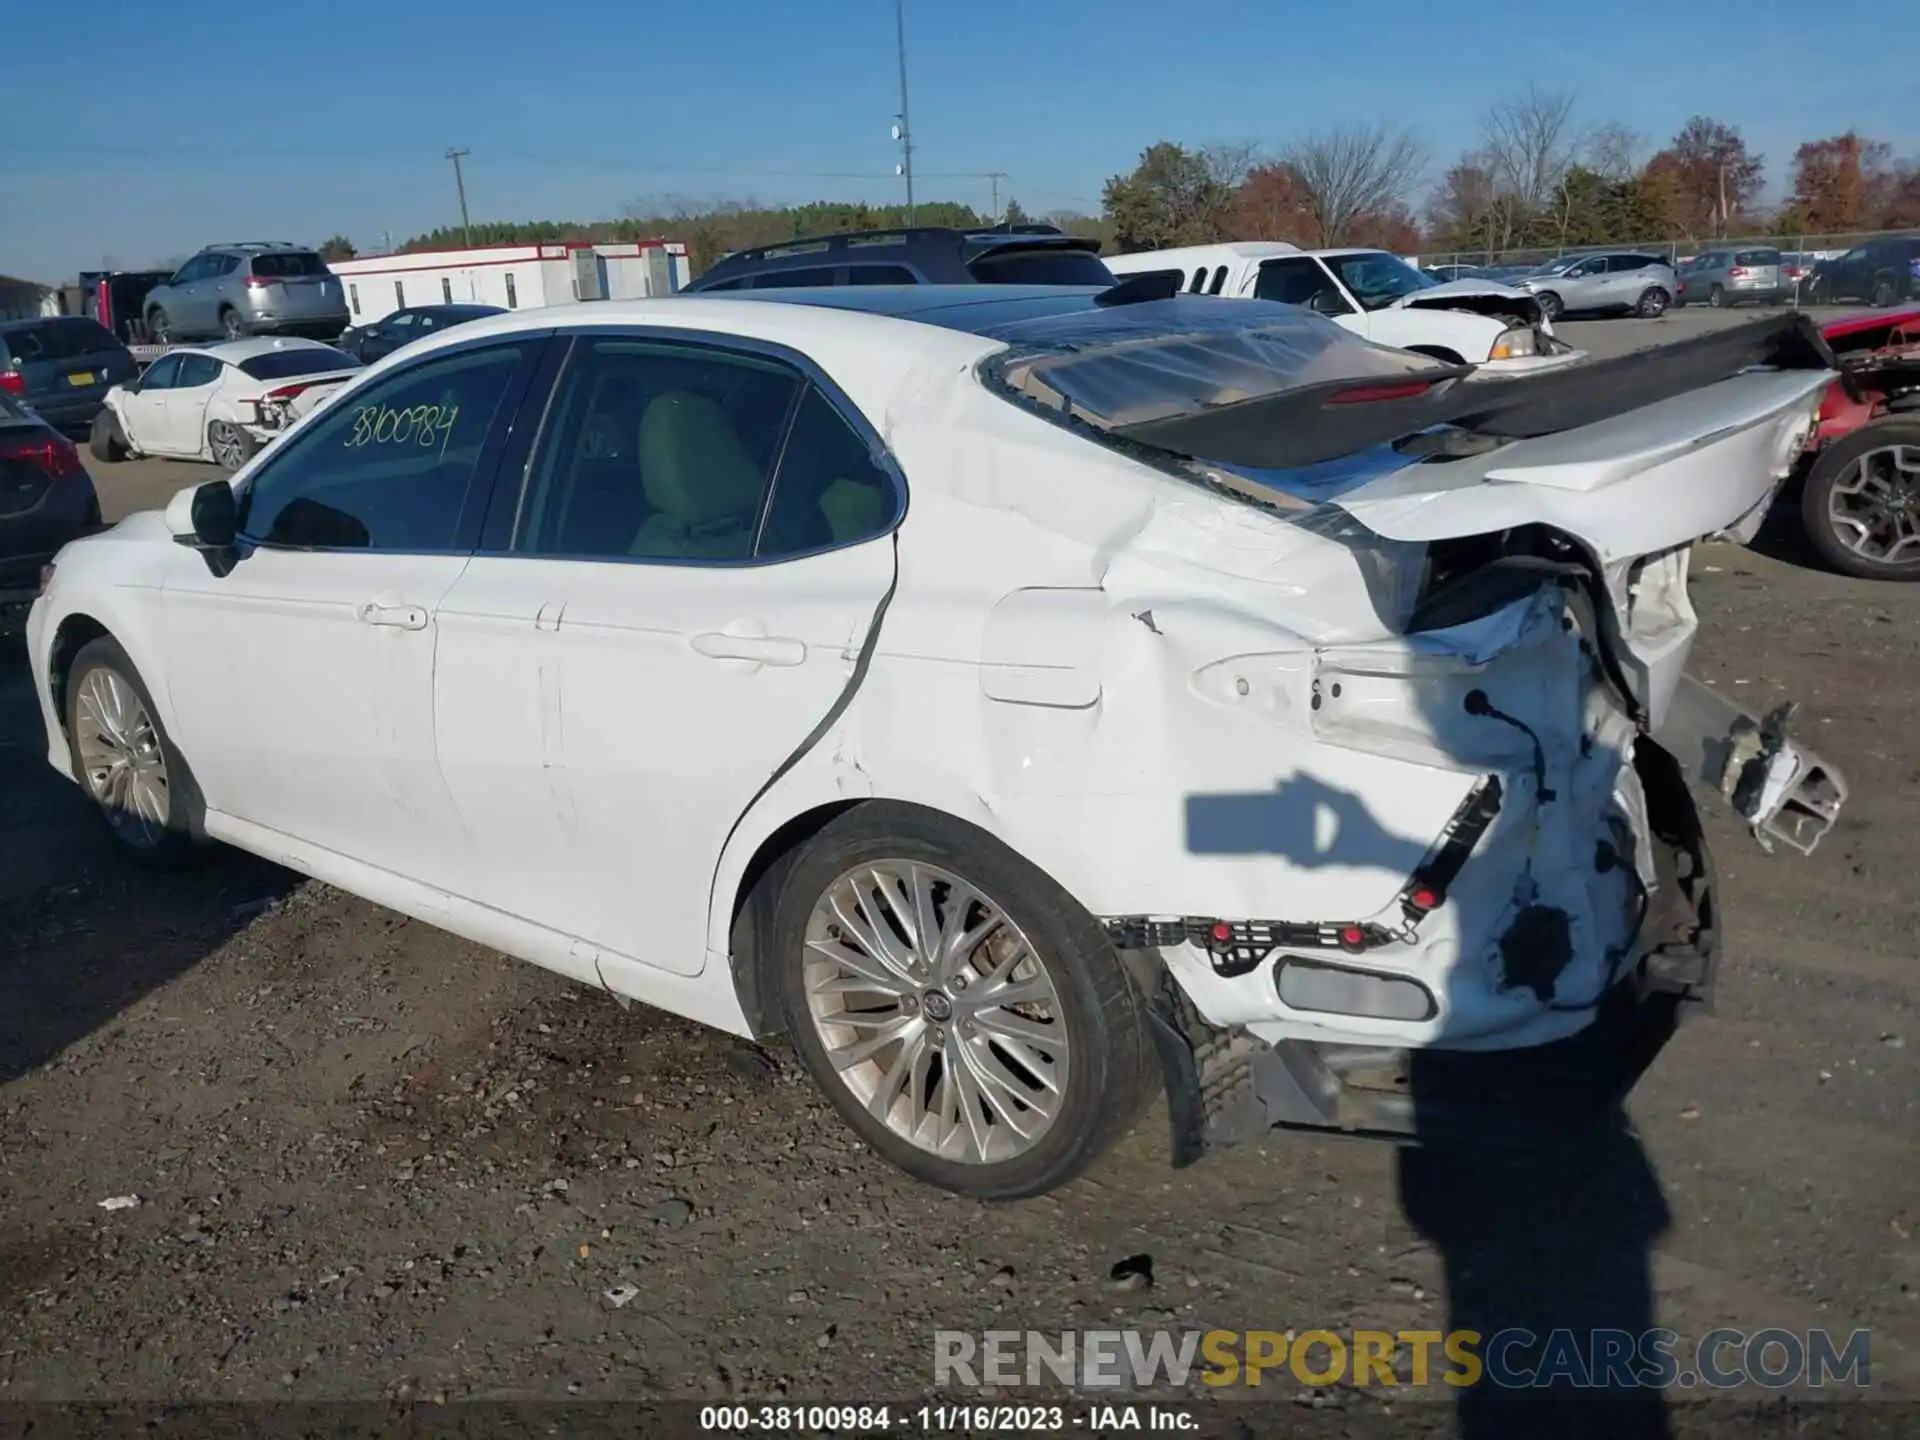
(757, 649)
(401, 617)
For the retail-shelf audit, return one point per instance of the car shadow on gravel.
(1521, 1170)
(84, 933)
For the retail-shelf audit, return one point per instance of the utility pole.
(903, 131)
(460, 183)
(996, 176)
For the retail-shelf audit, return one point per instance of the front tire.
(104, 440)
(123, 758)
(1550, 306)
(959, 1009)
(1653, 303)
(1861, 505)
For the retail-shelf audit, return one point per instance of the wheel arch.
(1440, 352)
(82, 625)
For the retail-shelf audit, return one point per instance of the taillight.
(55, 455)
(13, 382)
(1736, 272)
(262, 281)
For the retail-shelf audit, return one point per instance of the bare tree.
(1352, 172)
(1530, 144)
(1613, 151)
(1226, 163)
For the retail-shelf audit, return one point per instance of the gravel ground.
(376, 1162)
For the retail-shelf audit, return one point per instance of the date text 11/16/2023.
(962, 1419)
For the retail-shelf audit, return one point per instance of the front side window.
(163, 374)
(390, 468)
(670, 452)
(1300, 281)
(814, 275)
(872, 275)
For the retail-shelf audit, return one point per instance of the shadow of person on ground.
(1546, 1228)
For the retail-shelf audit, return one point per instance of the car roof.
(232, 352)
(1196, 254)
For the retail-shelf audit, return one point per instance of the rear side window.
(830, 490)
(289, 262)
(656, 451)
(56, 340)
(1040, 265)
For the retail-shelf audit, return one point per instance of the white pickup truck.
(1495, 327)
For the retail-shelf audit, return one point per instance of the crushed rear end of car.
(1409, 658)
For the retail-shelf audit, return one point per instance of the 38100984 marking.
(423, 425)
(801, 1419)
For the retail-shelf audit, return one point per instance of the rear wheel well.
(75, 631)
(751, 918)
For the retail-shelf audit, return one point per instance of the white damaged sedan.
(1031, 701)
(218, 402)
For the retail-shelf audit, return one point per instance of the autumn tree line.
(1538, 177)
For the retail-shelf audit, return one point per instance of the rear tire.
(1039, 1086)
(104, 440)
(1653, 303)
(126, 763)
(230, 446)
(1717, 298)
(231, 325)
(1882, 292)
(159, 326)
(1878, 496)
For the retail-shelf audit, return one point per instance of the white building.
(513, 277)
(24, 299)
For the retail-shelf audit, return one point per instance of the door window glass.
(656, 451)
(390, 468)
(1300, 282)
(197, 370)
(163, 374)
(830, 490)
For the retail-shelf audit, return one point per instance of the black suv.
(1881, 272)
(921, 255)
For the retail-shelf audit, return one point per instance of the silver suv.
(251, 287)
(1629, 281)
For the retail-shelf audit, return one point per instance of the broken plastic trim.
(1238, 947)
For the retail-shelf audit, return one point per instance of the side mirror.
(1325, 302)
(205, 516)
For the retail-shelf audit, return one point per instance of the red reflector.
(13, 382)
(1424, 899)
(1221, 931)
(1351, 935)
(1363, 394)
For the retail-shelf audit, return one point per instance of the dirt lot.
(375, 1162)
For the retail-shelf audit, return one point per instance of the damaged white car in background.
(218, 402)
(1501, 330)
(1028, 700)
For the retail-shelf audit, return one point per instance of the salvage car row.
(1079, 692)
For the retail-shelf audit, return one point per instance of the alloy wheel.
(1874, 506)
(228, 444)
(935, 1011)
(122, 759)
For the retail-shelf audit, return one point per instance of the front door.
(143, 409)
(184, 411)
(302, 679)
(1303, 280)
(672, 621)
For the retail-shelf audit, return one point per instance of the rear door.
(143, 407)
(691, 567)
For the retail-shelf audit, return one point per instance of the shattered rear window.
(1128, 364)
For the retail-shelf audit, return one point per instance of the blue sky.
(196, 123)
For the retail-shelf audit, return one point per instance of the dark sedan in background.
(61, 367)
(46, 498)
(368, 343)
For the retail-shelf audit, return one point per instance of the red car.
(1861, 501)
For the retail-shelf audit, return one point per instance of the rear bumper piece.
(1226, 1087)
(1781, 789)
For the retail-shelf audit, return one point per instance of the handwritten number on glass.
(426, 426)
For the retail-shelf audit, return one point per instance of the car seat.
(703, 484)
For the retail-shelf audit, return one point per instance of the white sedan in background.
(998, 692)
(218, 402)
